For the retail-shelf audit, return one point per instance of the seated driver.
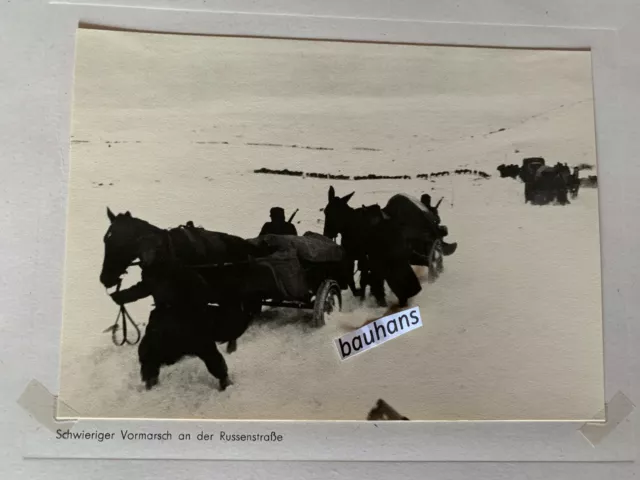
(426, 201)
(278, 225)
(448, 248)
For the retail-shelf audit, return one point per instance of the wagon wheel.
(436, 261)
(328, 300)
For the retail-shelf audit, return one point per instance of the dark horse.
(385, 243)
(183, 321)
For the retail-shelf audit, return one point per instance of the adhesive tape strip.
(615, 411)
(41, 404)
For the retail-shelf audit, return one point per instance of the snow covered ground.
(512, 330)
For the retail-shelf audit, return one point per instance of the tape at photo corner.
(615, 412)
(41, 405)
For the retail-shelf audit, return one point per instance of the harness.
(197, 245)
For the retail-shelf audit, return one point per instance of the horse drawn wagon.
(190, 266)
(386, 242)
(207, 286)
(422, 231)
(304, 272)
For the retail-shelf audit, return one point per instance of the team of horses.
(544, 184)
(200, 295)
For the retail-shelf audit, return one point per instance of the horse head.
(337, 214)
(121, 245)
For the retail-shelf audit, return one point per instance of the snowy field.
(512, 329)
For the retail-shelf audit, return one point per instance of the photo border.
(363, 440)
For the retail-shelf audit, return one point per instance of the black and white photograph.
(236, 205)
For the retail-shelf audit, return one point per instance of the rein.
(124, 317)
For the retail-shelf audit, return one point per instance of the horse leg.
(562, 196)
(350, 271)
(365, 277)
(403, 302)
(377, 288)
(364, 282)
(364, 269)
(225, 324)
(231, 324)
